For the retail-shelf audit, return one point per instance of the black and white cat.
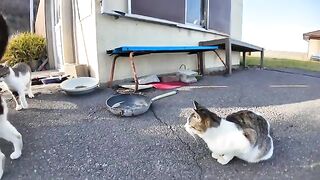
(17, 78)
(243, 134)
(7, 131)
(18, 82)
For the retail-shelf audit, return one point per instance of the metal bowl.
(81, 85)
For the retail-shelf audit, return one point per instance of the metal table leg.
(228, 56)
(134, 71)
(112, 70)
(244, 59)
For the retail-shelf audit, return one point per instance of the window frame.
(129, 7)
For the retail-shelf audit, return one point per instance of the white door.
(57, 39)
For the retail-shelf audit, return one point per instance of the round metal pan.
(132, 104)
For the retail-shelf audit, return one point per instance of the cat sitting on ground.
(243, 134)
(7, 131)
(18, 81)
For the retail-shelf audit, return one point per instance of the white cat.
(7, 131)
(243, 134)
(18, 81)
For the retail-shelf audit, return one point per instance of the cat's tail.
(4, 36)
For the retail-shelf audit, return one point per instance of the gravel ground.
(75, 137)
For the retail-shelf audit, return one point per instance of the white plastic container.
(81, 85)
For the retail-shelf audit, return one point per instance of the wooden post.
(244, 59)
(228, 55)
(261, 58)
(134, 71)
(200, 63)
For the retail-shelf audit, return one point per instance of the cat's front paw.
(1, 173)
(2, 161)
(223, 159)
(24, 105)
(18, 107)
(215, 156)
(15, 155)
(30, 96)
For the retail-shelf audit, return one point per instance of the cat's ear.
(196, 105)
(5, 64)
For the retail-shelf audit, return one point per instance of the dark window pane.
(172, 10)
(219, 15)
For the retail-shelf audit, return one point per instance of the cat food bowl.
(81, 85)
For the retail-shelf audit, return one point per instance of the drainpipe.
(49, 32)
(31, 16)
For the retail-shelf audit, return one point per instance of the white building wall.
(314, 47)
(236, 19)
(113, 32)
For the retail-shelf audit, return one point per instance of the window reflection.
(194, 14)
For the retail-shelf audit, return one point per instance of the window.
(220, 15)
(208, 14)
(195, 12)
(172, 10)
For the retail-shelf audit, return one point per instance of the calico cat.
(18, 81)
(7, 131)
(243, 134)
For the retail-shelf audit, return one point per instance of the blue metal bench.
(131, 51)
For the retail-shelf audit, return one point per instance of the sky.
(280, 24)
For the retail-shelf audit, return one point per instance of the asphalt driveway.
(77, 138)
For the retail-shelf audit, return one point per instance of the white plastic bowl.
(81, 85)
